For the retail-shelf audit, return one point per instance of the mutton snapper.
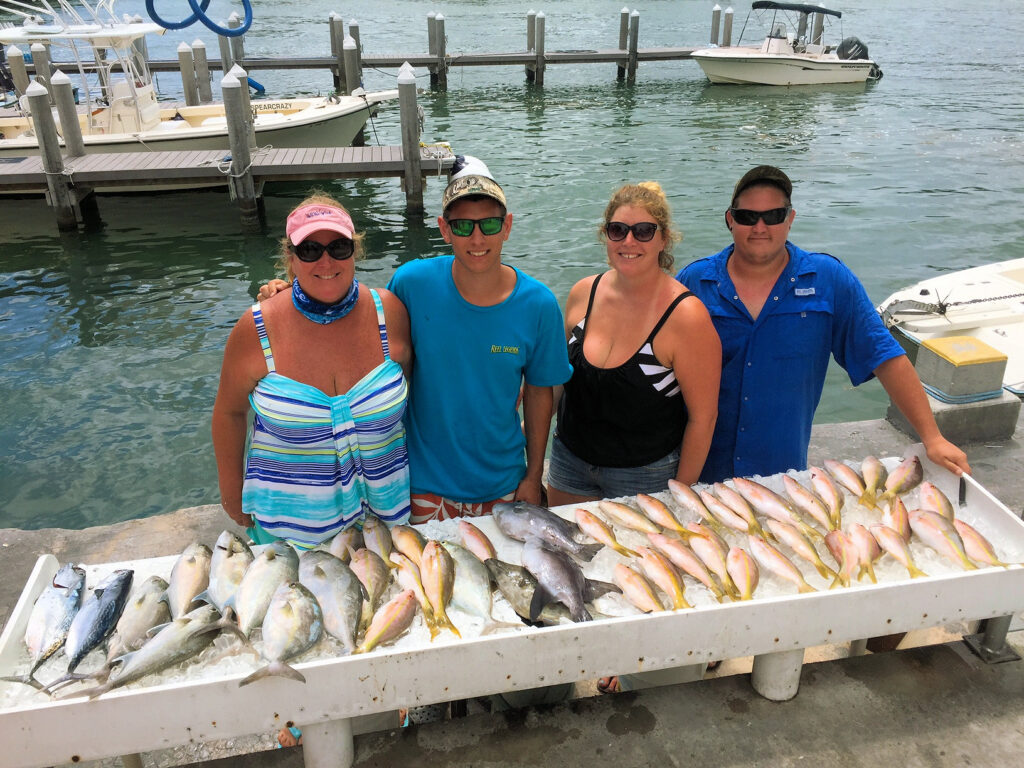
(520, 521)
(180, 640)
(276, 565)
(293, 625)
(190, 577)
(338, 591)
(559, 579)
(95, 621)
(51, 618)
(230, 560)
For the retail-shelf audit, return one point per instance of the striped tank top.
(318, 463)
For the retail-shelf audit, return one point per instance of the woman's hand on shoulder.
(271, 288)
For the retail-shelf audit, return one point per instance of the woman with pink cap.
(321, 366)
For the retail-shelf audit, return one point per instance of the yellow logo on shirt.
(497, 349)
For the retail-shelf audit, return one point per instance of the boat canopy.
(760, 5)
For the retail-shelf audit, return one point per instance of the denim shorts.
(569, 473)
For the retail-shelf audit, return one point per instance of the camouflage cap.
(470, 177)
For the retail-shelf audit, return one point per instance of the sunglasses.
(747, 218)
(464, 227)
(310, 250)
(644, 231)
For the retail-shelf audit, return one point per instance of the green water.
(110, 341)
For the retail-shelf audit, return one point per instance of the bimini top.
(760, 5)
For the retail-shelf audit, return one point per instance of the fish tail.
(273, 669)
(587, 551)
(871, 572)
(915, 571)
(839, 581)
(809, 530)
(805, 587)
(624, 551)
(443, 621)
(582, 614)
(24, 680)
(680, 602)
(824, 570)
(431, 621)
(868, 499)
(494, 626)
(711, 523)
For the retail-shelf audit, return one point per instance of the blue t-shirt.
(773, 368)
(463, 432)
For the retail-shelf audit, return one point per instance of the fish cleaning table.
(775, 629)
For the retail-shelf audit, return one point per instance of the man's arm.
(904, 387)
(537, 402)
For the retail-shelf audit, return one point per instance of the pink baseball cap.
(304, 221)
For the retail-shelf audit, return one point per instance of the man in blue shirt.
(781, 312)
(480, 329)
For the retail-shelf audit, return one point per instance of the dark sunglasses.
(464, 227)
(617, 230)
(310, 250)
(747, 218)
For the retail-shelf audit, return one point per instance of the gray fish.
(144, 610)
(95, 621)
(293, 625)
(517, 585)
(559, 579)
(189, 578)
(519, 520)
(51, 618)
(277, 564)
(472, 589)
(230, 560)
(180, 640)
(338, 591)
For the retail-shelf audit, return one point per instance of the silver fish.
(230, 560)
(517, 585)
(293, 625)
(178, 641)
(559, 579)
(338, 591)
(277, 564)
(520, 521)
(348, 540)
(95, 621)
(144, 610)
(472, 590)
(51, 618)
(190, 576)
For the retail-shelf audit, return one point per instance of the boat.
(986, 303)
(119, 109)
(790, 55)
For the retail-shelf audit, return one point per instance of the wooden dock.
(112, 170)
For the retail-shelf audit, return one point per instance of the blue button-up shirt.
(773, 368)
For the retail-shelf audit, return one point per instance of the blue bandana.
(324, 313)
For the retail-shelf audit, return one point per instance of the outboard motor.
(852, 48)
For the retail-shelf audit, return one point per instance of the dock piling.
(243, 77)
(237, 43)
(353, 31)
(41, 62)
(442, 52)
(727, 28)
(432, 47)
(716, 23)
(59, 193)
(139, 43)
(187, 65)
(801, 28)
(620, 71)
(19, 72)
(412, 180)
(819, 25)
(531, 40)
(538, 67)
(226, 60)
(240, 182)
(202, 66)
(351, 61)
(337, 51)
(70, 128)
(634, 46)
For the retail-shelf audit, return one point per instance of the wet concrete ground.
(927, 706)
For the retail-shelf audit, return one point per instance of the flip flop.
(608, 684)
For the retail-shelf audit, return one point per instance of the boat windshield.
(808, 22)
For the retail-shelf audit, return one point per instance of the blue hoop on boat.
(199, 14)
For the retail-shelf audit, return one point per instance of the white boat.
(119, 110)
(986, 303)
(793, 55)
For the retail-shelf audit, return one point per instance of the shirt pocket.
(800, 335)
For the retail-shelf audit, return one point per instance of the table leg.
(131, 761)
(328, 745)
(991, 646)
(858, 647)
(776, 676)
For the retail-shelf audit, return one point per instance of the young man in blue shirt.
(781, 312)
(480, 329)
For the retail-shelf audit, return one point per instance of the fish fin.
(582, 614)
(867, 499)
(809, 530)
(493, 626)
(625, 552)
(273, 669)
(805, 587)
(203, 597)
(594, 589)
(24, 680)
(587, 551)
(824, 570)
(92, 693)
(541, 597)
